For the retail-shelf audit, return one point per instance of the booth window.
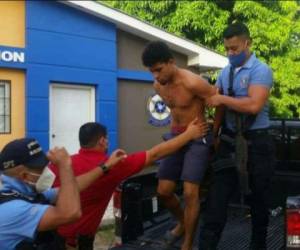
(5, 109)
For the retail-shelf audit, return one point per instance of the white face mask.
(45, 180)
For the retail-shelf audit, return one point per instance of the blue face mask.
(237, 60)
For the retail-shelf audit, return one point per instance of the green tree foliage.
(274, 27)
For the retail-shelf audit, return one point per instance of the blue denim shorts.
(188, 163)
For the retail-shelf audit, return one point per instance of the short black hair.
(90, 133)
(236, 29)
(156, 52)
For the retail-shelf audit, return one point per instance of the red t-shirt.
(96, 197)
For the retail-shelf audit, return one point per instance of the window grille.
(5, 106)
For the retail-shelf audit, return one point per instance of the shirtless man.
(184, 93)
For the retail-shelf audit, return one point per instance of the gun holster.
(241, 160)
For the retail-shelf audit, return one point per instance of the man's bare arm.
(85, 180)
(200, 87)
(194, 130)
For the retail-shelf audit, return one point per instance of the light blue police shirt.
(253, 72)
(19, 219)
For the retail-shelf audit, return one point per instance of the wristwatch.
(104, 168)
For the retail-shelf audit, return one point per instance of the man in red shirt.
(92, 154)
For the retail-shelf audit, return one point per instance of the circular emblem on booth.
(159, 111)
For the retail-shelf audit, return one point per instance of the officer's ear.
(102, 141)
(249, 42)
(21, 172)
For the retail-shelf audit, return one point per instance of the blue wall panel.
(38, 117)
(37, 82)
(107, 88)
(64, 45)
(135, 75)
(113, 141)
(108, 114)
(42, 138)
(39, 78)
(57, 17)
(65, 50)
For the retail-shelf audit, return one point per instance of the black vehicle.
(141, 220)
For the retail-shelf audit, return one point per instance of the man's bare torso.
(184, 104)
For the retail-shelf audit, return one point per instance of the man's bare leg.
(166, 193)
(191, 213)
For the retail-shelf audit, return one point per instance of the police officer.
(27, 216)
(25, 193)
(242, 109)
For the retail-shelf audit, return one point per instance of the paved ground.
(104, 238)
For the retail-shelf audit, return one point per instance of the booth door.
(70, 107)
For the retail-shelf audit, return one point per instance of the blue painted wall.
(69, 46)
(65, 45)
